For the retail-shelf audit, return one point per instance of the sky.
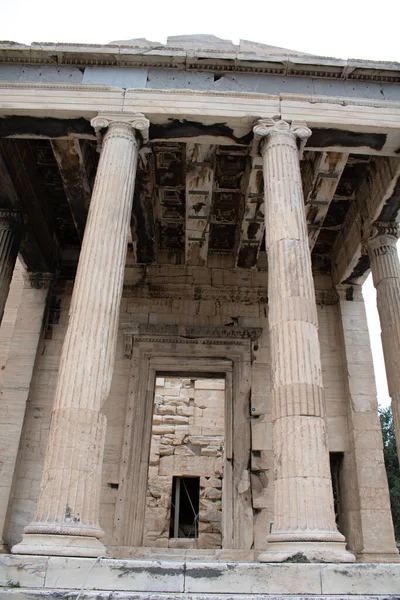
(341, 29)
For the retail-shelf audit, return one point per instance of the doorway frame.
(199, 350)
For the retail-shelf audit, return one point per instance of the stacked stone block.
(187, 441)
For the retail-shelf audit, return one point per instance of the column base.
(305, 552)
(3, 547)
(60, 545)
(378, 557)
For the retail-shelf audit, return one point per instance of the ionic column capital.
(10, 219)
(384, 230)
(295, 129)
(382, 251)
(122, 121)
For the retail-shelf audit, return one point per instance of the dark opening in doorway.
(185, 507)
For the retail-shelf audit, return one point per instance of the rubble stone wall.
(187, 440)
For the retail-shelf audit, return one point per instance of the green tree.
(392, 466)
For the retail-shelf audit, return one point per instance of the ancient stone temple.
(188, 403)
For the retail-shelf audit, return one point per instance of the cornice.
(192, 60)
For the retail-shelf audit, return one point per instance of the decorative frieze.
(226, 293)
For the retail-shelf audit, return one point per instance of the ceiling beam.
(39, 247)
(8, 194)
(143, 230)
(378, 191)
(326, 172)
(200, 160)
(70, 161)
(252, 226)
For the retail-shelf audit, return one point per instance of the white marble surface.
(109, 574)
(244, 578)
(44, 577)
(27, 571)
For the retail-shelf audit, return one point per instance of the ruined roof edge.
(197, 60)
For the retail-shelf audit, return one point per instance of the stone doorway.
(187, 352)
(185, 477)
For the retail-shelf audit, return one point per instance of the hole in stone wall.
(336, 463)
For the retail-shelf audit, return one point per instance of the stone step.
(68, 594)
(31, 577)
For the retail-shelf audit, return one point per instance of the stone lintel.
(188, 334)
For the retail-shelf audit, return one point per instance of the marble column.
(67, 515)
(10, 235)
(16, 380)
(385, 268)
(364, 491)
(304, 522)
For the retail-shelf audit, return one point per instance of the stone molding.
(231, 59)
(187, 334)
(285, 97)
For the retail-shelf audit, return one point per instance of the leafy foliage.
(392, 466)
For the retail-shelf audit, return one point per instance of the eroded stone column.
(67, 515)
(17, 379)
(385, 268)
(304, 523)
(365, 500)
(10, 235)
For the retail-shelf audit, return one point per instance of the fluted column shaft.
(10, 236)
(385, 266)
(68, 502)
(303, 490)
